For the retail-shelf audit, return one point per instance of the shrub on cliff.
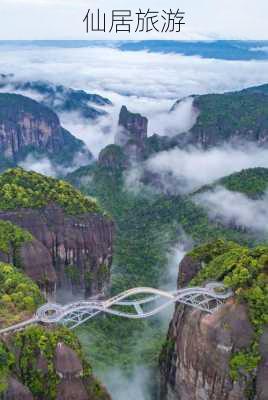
(12, 236)
(22, 189)
(19, 296)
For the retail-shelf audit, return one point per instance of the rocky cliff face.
(195, 360)
(195, 364)
(27, 126)
(113, 158)
(69, 253)
(132, 133)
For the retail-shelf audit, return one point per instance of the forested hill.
(232, 117)
(252, 182)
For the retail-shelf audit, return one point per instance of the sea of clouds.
(236, 209)
(194, 167)
(148, 83)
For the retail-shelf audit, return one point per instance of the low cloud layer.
(134, 387)
(147, 83)
(175, 256)
(95, 134)
(130, 73)
(195, 167)
(180, 119)
(236, 208)
(44, 166)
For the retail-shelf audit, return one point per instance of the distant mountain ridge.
(213, 49)
(233, 117)
(58, 97)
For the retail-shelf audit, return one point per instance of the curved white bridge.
(208, 299)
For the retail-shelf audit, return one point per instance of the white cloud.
(175, 256)
(137, 74)
(181, 119)
(44, 166)
(136, 386)
(95, 134)
(236, 208)
(147, 83)
(194, 167)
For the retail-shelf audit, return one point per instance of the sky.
(62, 19)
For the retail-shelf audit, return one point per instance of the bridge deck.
(207, 299)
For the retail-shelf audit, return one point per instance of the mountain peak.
(132, 126)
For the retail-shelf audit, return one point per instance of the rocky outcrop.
(49, 365)
(113, 158)
(16, 390)
(195, 359)
(27, 126)
(72, 385)
(236, 118)
(134, 127)
(132, 133)
(262, 376)
(70, 253)
(67, 363)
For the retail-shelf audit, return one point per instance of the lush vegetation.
(232, 111)
(244, 270)
(35, 345)
(145, 233)
(148, 226)
(252, 182)
(22, 189)
(6, 362)
(19, 296)
(35, 342)
(12, 237)
(35, 366)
